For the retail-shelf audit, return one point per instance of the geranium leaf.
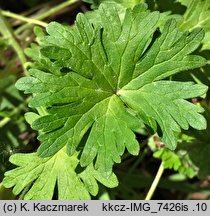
(108, 82)
(44, 173)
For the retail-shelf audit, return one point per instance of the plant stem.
(8, 33)
(56, 9)
(23, 18)
(53, 10)
(36, 8)
(155, 182)
(6, 120)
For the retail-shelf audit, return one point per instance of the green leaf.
(46, 173)
(167, 107)
(178, 161)
(197, 144)
(197, 14)
(108, 81)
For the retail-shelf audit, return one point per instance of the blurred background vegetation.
(187, 170)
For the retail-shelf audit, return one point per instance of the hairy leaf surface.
(98, 82)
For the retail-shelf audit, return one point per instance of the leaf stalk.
(50, 12)
(6, 120)
(23, 18)
(155, 182)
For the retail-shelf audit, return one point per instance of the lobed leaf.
(178, 161)
(108, 82)
(45, 173)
